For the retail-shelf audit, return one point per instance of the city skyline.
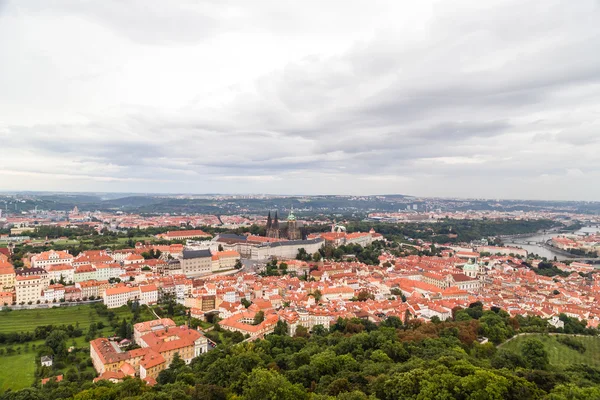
(458, 100)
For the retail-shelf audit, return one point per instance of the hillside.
(559, 354)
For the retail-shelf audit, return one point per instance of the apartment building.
(52, 257)
(7, 277)
(196, 262)
(28, 288)
(159, 340)
(119, 296)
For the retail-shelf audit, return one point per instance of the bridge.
(546, 245)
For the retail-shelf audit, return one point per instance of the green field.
(17, 370)
(136, 239)
(28, 320)
(559, 354)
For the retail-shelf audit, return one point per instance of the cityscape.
(176, 286)
(299, 200)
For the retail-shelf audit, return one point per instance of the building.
(7, 277)
(305, 318)
(148, 294)
(223, 260)
(72, 293)
(159, 341)
(84, 272)
(285, 249)
(338, 236)
(244, 323)
(92, 288)
(53, 293)
(6, 298)
(64, 272)
(28, 288)
(293, 233)
(142, 328)
(48, 258)
(108, 271)
(93, 257)
(183, 235)
(463, 282)
(273, 226)
(119, 296)
(133, 259)
(46, 361)
(196, 262)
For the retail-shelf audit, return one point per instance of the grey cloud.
(484, 95)
(144, 21)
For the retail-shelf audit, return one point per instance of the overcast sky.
(497, 99)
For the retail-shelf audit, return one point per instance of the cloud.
(287, 97)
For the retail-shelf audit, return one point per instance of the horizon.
(169, 194)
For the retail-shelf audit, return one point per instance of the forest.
(357, 359)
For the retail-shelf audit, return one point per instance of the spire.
(269, 222)
(276, 221)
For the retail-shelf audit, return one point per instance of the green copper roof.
(291, 217)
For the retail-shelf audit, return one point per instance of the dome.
(291, 217)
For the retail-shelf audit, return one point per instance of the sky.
(487, 99)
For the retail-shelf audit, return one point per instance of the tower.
(273, 226)
(292, 230)
(269, 222)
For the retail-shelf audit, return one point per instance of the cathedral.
(273, 226)
(291, 231)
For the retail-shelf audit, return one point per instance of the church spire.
(269, 222)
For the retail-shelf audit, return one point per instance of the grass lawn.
(16, 371)
(123, 240)
(28, 320)
(65, 241)
(559, 354)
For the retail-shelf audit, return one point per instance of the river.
(543, 251)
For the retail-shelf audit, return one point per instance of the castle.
(291, 231)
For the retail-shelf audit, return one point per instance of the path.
(541, 333)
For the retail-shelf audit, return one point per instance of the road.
(50, 305)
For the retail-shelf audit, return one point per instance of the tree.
(364, 296)
(220, 247)
(303, 255)
(317, 295)
(238, 264)
(263, 384)
(535, 354)
(281, 328)
(208, 392)
(177, 363)
(316, 257)
(245, 302)
(57, 341)
(301, 331)
(507, 359)
(123, 329)
(259, 317)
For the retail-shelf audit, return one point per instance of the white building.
(28, 288)
(119, 296)
(285, 249)
(148, 294)
(53, 293)
(64, 271)
(48, 258)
